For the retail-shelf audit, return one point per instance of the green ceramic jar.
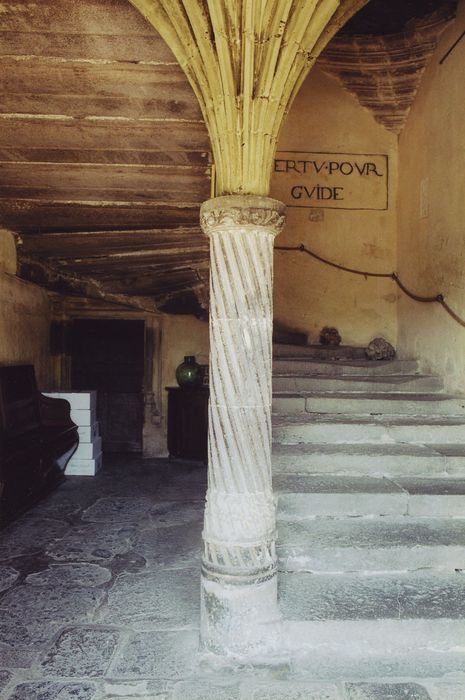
(188, 373)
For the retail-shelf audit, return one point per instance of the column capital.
(242, 212)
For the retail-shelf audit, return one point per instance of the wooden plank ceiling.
(104, 155)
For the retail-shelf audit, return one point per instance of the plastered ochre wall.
(24, 317)
(307, 294)
(431, 207)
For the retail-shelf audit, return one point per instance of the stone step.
(384, 459)
(331, 428)
(323, 352)
(334, 495)
(403, 383)
(407, 674)
(283, 336)
(377, 545)
(399, 622)
(369, 404)
(298, 367)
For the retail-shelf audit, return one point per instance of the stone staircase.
(369, 468)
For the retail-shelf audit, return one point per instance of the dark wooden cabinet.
(188, 423)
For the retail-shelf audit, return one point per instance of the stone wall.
(431, 213)
(24, 317)
(307, 294)
(178, 336)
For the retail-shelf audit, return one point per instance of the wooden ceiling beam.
(131, 48)
(71, 285)
(97, 156)
(120, 240)
(61, 131)
(31, 85)
(105, 182)
(135, 260)
(102, 17)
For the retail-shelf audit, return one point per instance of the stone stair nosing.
(398, 617)
(334, 428)
(361, 384)
(301, 367)
(335, 353)
(332, 495)
(369, 470)
(292, 403)
(375, 459)
(371, 544)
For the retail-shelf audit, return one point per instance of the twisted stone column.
(239, 593)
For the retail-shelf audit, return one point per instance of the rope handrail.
(438, 298)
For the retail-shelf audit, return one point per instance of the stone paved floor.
(99, 598)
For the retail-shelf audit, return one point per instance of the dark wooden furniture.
(37, 439)
(188, 423)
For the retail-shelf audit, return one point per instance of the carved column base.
(239, 613)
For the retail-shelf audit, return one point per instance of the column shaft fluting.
(239, 560)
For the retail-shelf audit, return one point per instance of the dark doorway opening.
(108, 355)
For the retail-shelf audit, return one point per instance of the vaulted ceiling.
(104, 155)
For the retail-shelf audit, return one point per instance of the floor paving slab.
(169, 513)
(179, 492)
(178, 547)
(20, 646)
(118, 509)
(73, 574)
(8, 576)
(295, 691)
(82, 652)
(29, 535)
(162, 599)
(53, 690)
(93, 542)
(157, 655)
(386, 691)
(448, 691)
(127, 563)
(60, 507)
(205, 690)
(139, 689)
(5, 677)
(44, 608)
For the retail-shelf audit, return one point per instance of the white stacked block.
(87, 460)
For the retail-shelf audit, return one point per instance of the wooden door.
(108, 355)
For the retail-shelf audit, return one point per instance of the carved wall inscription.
(331, 180)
